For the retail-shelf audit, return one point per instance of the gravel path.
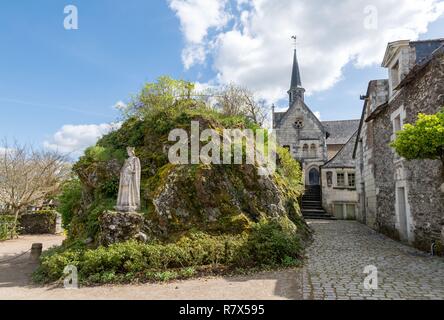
(15, 282)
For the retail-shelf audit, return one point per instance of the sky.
(61, 89)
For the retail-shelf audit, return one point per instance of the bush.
(269, 244)
(70, 201)
(7, 230)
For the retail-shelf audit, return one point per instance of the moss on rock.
(177, 199)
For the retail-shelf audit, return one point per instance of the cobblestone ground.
(342, 249)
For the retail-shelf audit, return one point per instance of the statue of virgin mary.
(129, 187)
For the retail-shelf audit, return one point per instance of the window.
(395, 75)
(397, 124)
(352, 180)
(313, 151)
(305, 151)
(345, 210)
(340, 179)
(329, 179)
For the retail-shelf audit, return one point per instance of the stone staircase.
(312, 205)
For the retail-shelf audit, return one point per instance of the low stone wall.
(40, 223)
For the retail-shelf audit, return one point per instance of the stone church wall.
(310, 134)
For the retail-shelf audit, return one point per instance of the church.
(324, 151)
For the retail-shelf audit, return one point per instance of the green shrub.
(271, 243)
(7, 230)
(268, 244)
(70, 200)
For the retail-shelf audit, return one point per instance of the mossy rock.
(176, 199)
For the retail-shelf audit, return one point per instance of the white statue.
(129, 187)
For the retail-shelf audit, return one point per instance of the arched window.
(305, 151)
(313, 151)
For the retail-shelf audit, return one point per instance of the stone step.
(314, 211)
(316, 214)
(311, 196)
(307, 217)
(312, 205)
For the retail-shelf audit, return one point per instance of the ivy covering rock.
(196, 217)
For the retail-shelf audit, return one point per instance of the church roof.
(340, 131)
(296, 81)
(344, 158)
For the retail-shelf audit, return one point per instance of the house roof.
(392, 49)
(344, 158)
(339, 132)
(420, 66)
(412, 75)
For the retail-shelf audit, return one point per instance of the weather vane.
(294, 40)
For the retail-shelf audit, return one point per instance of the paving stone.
(342, 249)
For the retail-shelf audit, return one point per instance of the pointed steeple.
(296, 90)
(295, 75)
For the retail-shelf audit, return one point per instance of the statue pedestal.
(118, 227)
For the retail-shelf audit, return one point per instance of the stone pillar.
(36, 251)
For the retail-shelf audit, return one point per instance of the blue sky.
(51, 77)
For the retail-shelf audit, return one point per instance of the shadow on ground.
(17, 271)
(287, 283)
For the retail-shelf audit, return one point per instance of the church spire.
(296, 90)
(295, 75)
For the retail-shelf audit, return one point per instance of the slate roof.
(340, 131)
(416, 70)
(277, 118)
(420, 66)
(344, 158)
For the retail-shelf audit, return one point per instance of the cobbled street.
(334, 270)
(342, 249)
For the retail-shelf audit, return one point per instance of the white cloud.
(5, 151)
(74, 139)
(120, 106)
(197, 17)
(256, 51)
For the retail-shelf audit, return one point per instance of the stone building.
(338, 183)
(402, 199)
(313, 143)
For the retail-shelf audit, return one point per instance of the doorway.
(402, 214)
(313, 177)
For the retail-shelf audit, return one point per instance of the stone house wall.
(364, 156)
(333, 195)
(421, 179)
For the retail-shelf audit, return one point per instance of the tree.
(165, 94)
(28, 176)
(422, 140)
(70, 200)
(234, 100)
